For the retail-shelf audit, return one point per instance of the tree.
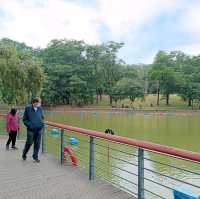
(111, 66)
(94, 55)
(17, 71)
(163, 75)
(63, 52)
(56, 90)
(189, 79)
(128, 88)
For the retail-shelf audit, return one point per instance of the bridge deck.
(48, 180)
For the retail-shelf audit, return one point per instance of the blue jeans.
(33, 137)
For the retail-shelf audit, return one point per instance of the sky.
(145, 26)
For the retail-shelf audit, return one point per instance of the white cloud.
(189, 21)
(191, 49)
(124, 18)
(36, 24)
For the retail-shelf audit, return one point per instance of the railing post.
(18, 136)
(20, 128)
(140, 173)
(62, 146)
(91, 166)
(43, 140)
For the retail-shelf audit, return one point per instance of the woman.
(12, 121)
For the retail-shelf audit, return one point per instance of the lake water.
(181, 130)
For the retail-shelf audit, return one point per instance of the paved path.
(48, 180)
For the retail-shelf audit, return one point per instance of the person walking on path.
(12, 125)
(34, 121)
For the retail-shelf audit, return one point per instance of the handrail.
(180, 153)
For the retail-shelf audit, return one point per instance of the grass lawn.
(175, 102)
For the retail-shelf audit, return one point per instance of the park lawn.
(175, 102)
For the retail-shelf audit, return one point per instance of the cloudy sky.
(145, 26)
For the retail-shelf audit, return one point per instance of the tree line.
(73, 72)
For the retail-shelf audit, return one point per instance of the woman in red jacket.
(12, 124)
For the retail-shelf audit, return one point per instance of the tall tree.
(63, 52)
(128, 88)
(18, 69)
(163, 75)
(111, 66)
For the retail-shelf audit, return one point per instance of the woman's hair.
(13, 111)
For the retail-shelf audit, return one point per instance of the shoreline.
(120, 110)
(65, 108)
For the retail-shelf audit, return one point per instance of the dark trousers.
(32, 138)
(12, 137)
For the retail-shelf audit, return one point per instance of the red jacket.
(12, 122)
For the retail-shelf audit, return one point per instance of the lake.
(177, 129)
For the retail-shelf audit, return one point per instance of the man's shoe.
(14, 148)
(36, 160)
(23, 157)
(7, 147)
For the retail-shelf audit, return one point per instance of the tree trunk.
(158, 97)
(100, 94)
(189, 102)
(97, 97)
(167, 99)
(158, 94)
(111, 99)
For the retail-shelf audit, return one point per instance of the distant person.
(109, 131)
(12, 125)
(34, 121)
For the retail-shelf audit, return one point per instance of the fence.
(144, 169)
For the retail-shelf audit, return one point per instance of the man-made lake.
(181, 130)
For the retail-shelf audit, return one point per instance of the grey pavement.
(48, 179)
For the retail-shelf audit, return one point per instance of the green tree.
(189, 79)
(163, 75)
(111, 66)
(128, 88)
(18, 69)
(63, 52)
(56, 89)
(94, 55)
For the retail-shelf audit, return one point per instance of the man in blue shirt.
(34, 121)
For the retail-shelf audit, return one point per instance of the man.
(34, 121)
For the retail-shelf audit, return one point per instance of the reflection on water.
(178, 130)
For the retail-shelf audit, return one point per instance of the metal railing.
(143, 169)
(130, 170)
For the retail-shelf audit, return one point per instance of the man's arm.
(26, 118)
(42, 113)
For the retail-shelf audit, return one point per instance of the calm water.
(178, 130)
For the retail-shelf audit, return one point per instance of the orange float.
(69, 153)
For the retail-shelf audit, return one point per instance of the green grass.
(175, 102)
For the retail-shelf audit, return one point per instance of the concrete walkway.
(48, 179)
